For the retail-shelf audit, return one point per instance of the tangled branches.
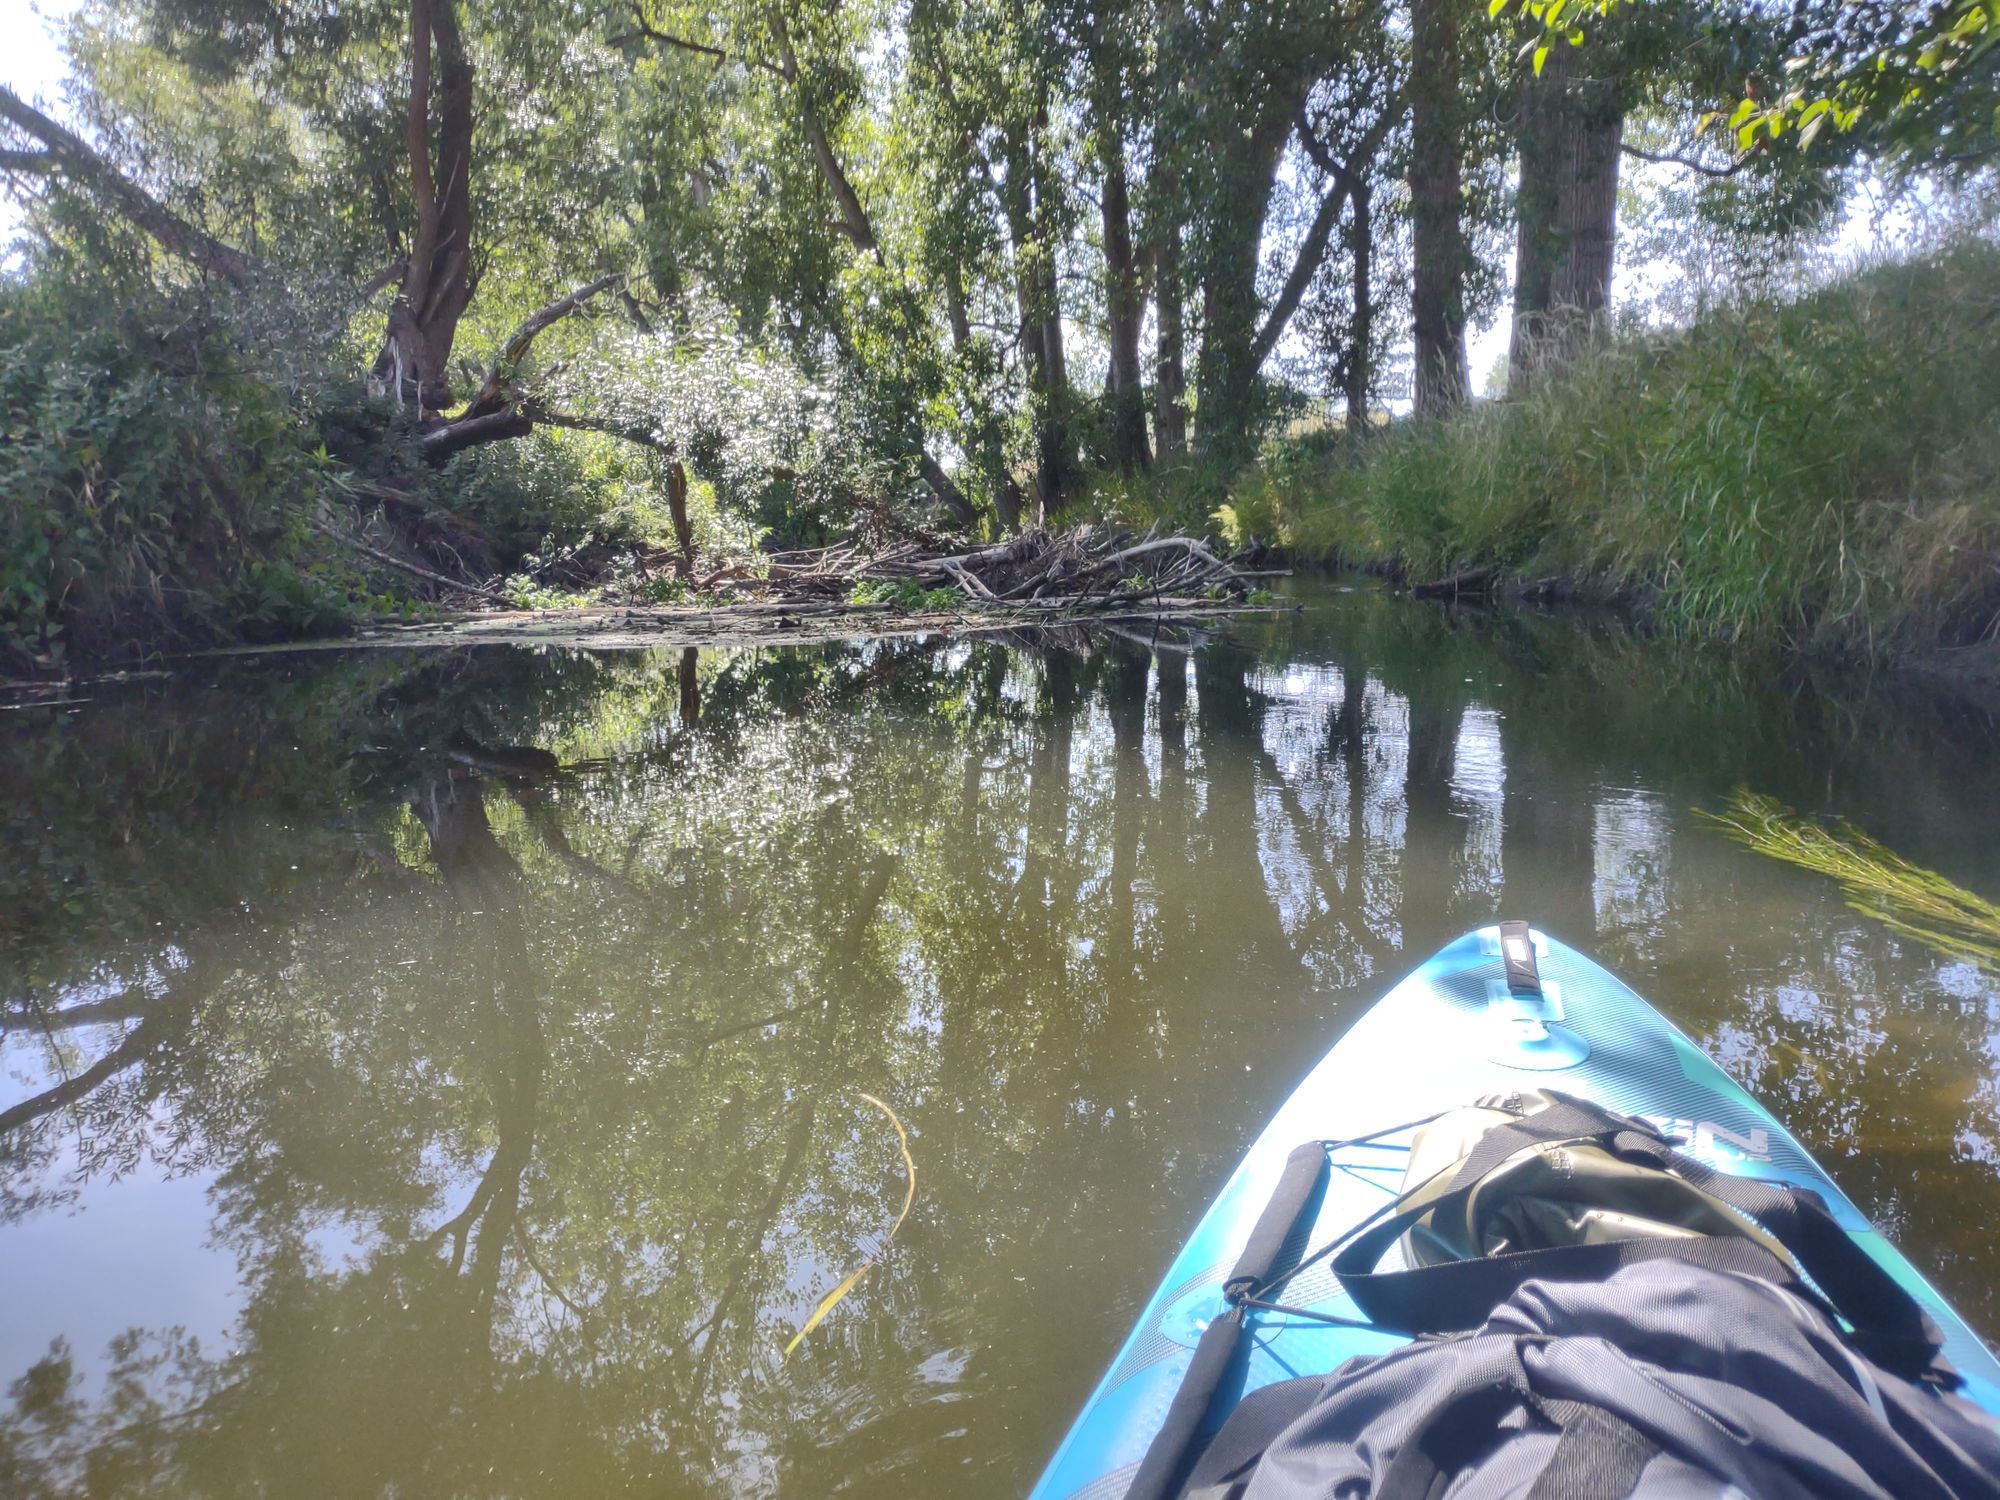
(1081, 571)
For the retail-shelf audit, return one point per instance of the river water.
(450, 1074)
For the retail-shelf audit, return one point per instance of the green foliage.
(1918, 83)
(879, 262)
(158, 491)
(558, 494)
(1822, 472)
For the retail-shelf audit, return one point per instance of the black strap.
(1456, 1434)
(1599, 1456)
(1226, 1464)
(1891, 1327)
(1166, 1457)
(1517, 954)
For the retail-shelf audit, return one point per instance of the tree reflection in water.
(509, 1010)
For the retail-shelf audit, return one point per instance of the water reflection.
(438, 1075)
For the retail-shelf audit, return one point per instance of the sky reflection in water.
(441, 1075)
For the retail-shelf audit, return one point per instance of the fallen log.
(1478, 581)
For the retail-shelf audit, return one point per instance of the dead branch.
(492, 389)
(390, 560)
(1468, 581)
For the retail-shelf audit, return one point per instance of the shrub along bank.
(148, 486)
(166, 487)
(1822, 473)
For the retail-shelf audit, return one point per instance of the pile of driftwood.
(1087, 570)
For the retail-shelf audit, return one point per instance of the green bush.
(1822, 472)
(157, 493)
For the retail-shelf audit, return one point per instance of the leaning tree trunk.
(437, 278)
(1437, 283)
(1570, 131)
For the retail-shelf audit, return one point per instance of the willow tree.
(794, 84)
(1236, 115)
(1574, 101)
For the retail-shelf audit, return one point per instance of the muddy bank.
(1967, 672)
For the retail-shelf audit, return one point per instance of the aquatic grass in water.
(1877, 881)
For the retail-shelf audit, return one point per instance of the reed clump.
(1817, 473)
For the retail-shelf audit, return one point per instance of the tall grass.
(1818, 473)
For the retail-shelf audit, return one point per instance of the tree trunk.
(1437, 285)
(854, 220)
(1169, 373)
(1226, 403)
(677, 508)
(1361, 360)
(946, 491)
(955, 313)
(437, 280)
(1570, 130)
(1058, 444)
(65, 154)
(1041, 326)
(1124, 309)
(1164, 221)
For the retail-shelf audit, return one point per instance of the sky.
(33, 66)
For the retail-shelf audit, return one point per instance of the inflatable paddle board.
(1472, 1021)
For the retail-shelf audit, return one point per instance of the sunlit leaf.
(832, 1298)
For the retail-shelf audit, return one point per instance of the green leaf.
(1541, 56)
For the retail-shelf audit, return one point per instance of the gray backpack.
(1599, 1316)
(1665, 1379)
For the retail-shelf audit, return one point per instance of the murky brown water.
(386, 1111)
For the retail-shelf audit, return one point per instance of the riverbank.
(1820, 476)
(622, 628)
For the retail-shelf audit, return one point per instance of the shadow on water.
(439, 1074)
